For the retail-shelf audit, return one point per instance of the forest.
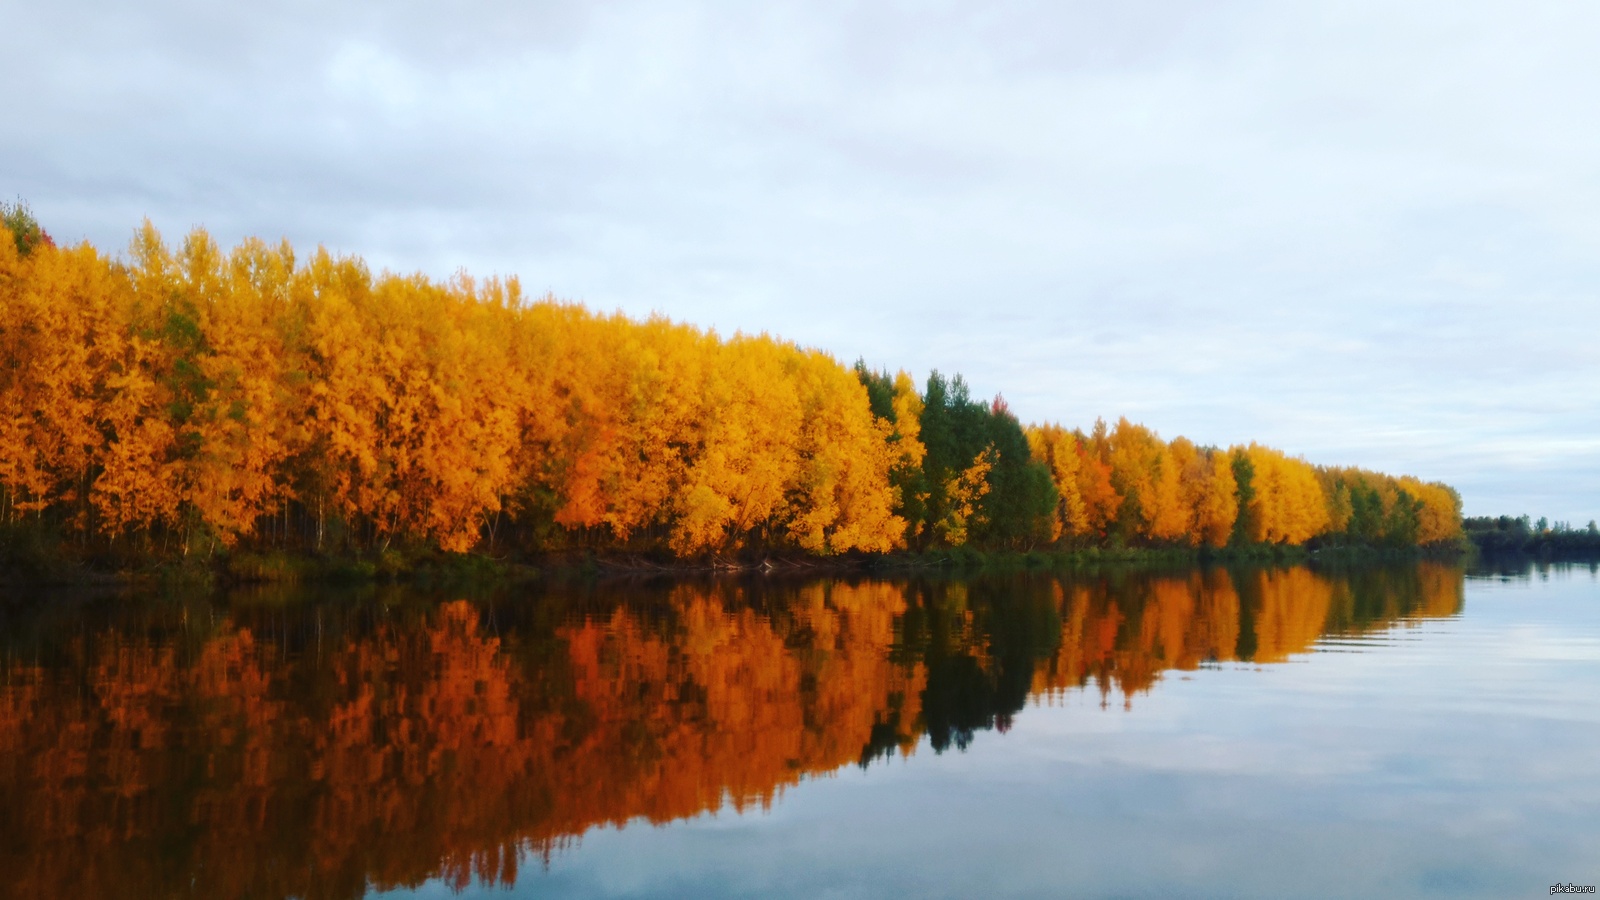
(1522, 536)
(185, 402)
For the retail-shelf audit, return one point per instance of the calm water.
(1396, 732)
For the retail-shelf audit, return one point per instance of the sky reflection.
(1220, 732)
(1444, 761)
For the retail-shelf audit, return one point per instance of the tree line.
(1522, 536)
(185, 400)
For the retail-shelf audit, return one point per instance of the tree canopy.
(189, 398)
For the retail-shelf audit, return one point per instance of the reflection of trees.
(316, 748)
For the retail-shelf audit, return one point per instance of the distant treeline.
(1505, 536)
(184, 401)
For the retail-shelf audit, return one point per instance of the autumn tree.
(194, 399)
(1208, 492)
(1057, 448)
(1148, 479)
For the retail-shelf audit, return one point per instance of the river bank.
(25, 563)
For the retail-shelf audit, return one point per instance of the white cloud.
(1359, 231)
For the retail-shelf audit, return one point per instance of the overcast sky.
(1365, 233)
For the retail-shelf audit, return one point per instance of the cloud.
(1356, 231)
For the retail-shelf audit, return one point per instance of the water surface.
(1405, 731)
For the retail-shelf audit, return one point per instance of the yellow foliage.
(217, 395)
(1439, 518)
(1145, 474)
(60, 333)
(1289, 506)
(1209, 493)
(962, 492)
(1058, 449)
(842, 499)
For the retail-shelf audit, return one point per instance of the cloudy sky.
(1365, 232)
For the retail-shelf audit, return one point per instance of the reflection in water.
(320, 746)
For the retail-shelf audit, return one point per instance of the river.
(1412, 730)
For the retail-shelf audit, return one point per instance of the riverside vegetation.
(1507, 536)
(241, 410)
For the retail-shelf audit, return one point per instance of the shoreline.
(224, 570)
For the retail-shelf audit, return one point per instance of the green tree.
(1244, 473)
(880, 390)
(1021, 497)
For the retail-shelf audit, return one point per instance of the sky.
(1366, 233)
